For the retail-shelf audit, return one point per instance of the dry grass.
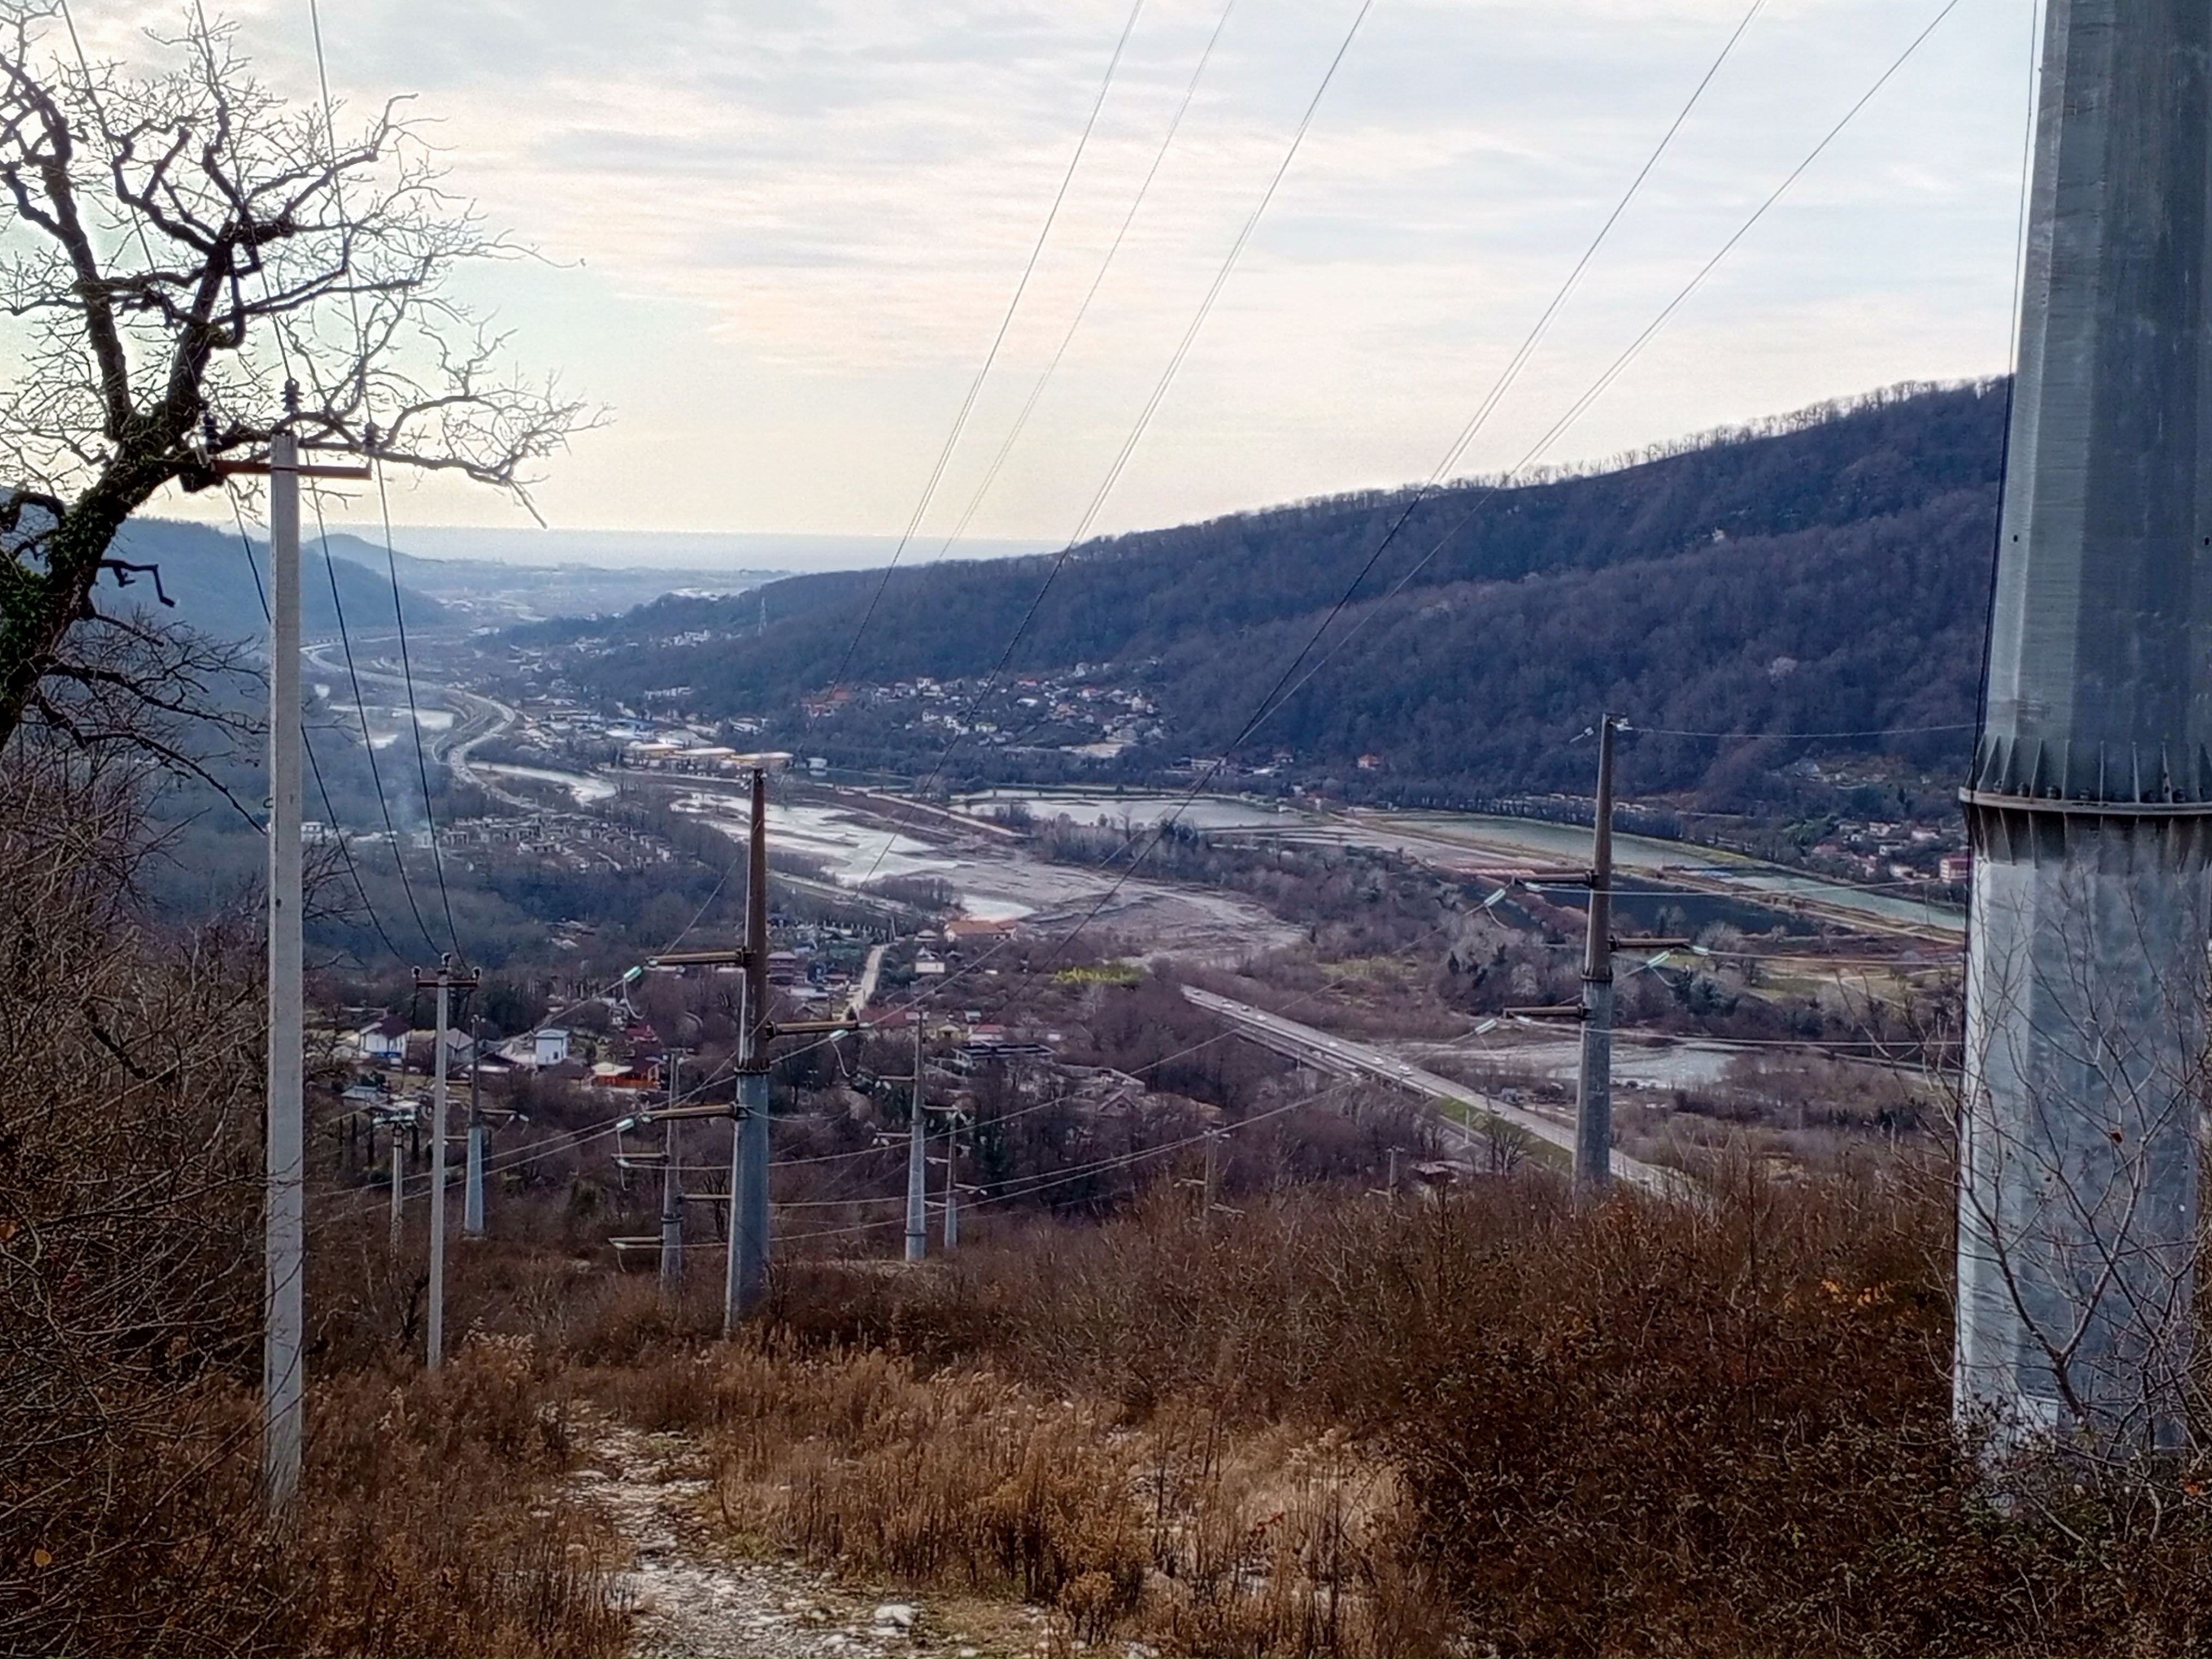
(1496, 1424)
(1185, 1529)
(429, 1521)
(130, 1311)
(1330, 1425)
(434, 1522)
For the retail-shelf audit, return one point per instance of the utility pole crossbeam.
(2089, 805)
(446, 981)
(283, 1346)
(1594, 1089)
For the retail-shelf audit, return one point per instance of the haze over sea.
(682, 550)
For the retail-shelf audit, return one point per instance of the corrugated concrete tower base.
(2077, 1247)
(2091, 798)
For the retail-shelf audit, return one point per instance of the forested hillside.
(1827, 572)
(206, 572)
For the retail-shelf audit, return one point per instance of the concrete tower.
(2090, 802)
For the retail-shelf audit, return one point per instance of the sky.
(776, 238)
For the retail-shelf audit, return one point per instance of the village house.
(385, 1042)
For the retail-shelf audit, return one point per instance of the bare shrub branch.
(178, 251)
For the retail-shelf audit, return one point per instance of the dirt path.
(694, 1598)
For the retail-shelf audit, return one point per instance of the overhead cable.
(998, 340)
(1582, 404)
(1075, 323)
(1519, 360)
(360, 710)
(391, 560)
(1798, 737)
(1285, 688)
(1159, 392)
(330, 812)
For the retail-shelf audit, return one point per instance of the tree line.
(1824, 576)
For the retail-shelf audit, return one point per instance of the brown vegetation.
(1326, 1422)
(1490, 1425)
(129, 1302)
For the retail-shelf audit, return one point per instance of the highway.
(1344, 1057)
(1462, 844)
(476, 719)
(1460, 841)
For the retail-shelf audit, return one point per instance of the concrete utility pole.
(1594, 1091)
(733, 1256)
(447, 982)
(917, 1167)
(284, 1343)
(671, 1183)
(399, 1181)
(2090, 800)
(284, 1307)
(952, 1182)
(749, 1215)
(472, 1202)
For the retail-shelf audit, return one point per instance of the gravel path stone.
(693, 1599)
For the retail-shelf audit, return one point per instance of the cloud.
(799, 223)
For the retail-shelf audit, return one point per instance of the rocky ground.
(693, 1597)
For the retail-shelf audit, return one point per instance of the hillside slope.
(205, 570)
(1827, 573)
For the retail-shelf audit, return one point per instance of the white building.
(380, 1044)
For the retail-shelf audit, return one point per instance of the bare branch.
(159, 235)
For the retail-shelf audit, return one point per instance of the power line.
(1205, 310)
(1075, 323)
(1635, 347)
(998, 340)
(361, 712)
(330, 812)
(937, 989)
(1269, 703)
(1151, 406)
(571, 1139)
(1027, 1186)
(1798, 737)
(1032, 1186)
(1528, 347)
(574, 1138)
(414, 716)
(337, 605)
(392, 563)
(92, 96)
(1514, 366)
(1580, 406)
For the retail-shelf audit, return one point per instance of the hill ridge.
(1824, 570)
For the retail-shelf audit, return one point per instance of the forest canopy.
(1827, 573)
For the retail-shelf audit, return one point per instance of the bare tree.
(2079, 1145)
(188, 264)
(130, 1195)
